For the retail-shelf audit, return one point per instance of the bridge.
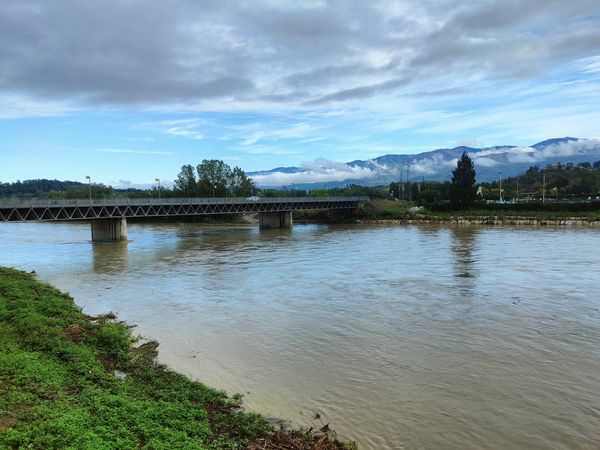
(109, 216)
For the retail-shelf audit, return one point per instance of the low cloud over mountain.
(434, 165)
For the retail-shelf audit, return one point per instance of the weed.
(58, 388)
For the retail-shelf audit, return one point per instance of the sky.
(127, 91)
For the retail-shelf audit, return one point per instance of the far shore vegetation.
(554, 192)
(68, 380)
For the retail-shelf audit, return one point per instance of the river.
(402, 337)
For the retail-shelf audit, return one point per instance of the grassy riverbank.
(539, 215)
(386, 210)
(372, 209)
(68, 380)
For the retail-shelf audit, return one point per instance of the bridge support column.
(280, 219)
(109, 230)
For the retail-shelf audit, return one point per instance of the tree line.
(213, 178)
(568, 181)
(210, 178)
(36, 187)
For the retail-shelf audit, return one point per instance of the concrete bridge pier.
(109, 230)
(279, 219)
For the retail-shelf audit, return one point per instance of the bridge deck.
(82, 209)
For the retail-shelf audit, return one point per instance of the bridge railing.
(168, 201)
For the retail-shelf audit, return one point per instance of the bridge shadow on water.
(169, 245)
(153, 247)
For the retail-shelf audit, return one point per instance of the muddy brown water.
(401, 337)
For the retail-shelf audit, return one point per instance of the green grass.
(59, 390)
(398, 210)
(540, 215)
(384, 209)
(370, 210)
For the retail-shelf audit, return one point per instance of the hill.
(490, 163)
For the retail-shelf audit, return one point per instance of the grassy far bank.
(372, 209)
(401, 210)
(539, 215)
(68, 380)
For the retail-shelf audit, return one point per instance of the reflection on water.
(463, 246)
(110, 258)
(401, 337)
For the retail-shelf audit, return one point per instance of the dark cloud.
(159, 53)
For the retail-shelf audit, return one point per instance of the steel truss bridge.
(83, 209)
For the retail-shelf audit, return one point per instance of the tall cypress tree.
(463, 191)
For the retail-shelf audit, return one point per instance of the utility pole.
(544, 188)
(158, 181)
(500, 173)
(408, 182)
(401, 185)
(517, 188)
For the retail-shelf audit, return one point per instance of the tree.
(186, 183)
(239, 183)
(428, 196)
(463, 191)
(213, 175)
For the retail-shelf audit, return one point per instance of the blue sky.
(130, 91)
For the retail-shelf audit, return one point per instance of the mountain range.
(437, 165)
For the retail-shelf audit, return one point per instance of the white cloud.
(486, 162)
(135, 152)
(19, 106)
(188, 128)
(318, 171)
(255, 133)
(432, 165)
(526, 155)
(532, 155)
(570, 148)
(468, 143)
(323, 170)
(128, 184)
(591, 65)
(267, 150)
(336, 79)
(261, 54)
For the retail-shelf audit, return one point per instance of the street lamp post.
(544, 188)
(408, 182)
(500, 173)
(517, 188)
(90, 186)
(401, 193)
(158, 181)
